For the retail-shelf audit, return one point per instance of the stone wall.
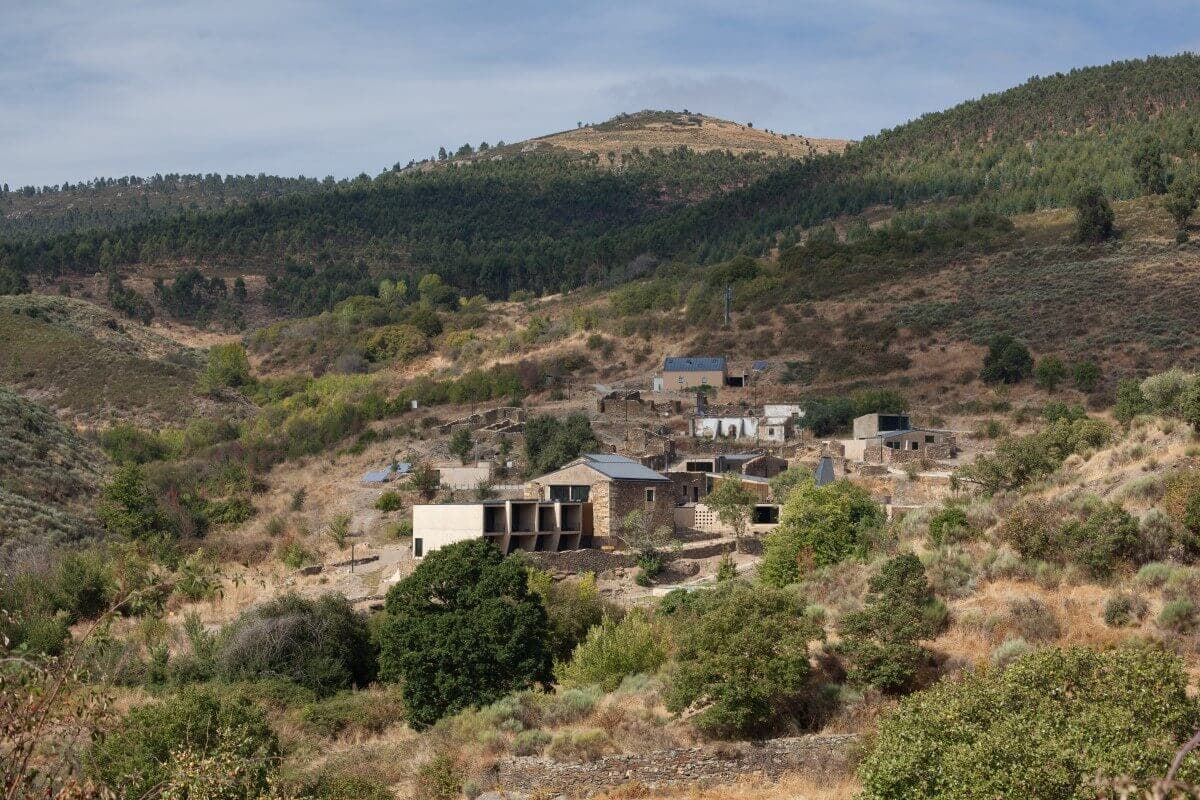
(833, 755)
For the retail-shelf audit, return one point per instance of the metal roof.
(689, 364)
(824, 471)
(620, 468)
(383, 475)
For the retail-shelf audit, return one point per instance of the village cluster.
(699, 422)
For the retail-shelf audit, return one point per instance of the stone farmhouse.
(614, 485)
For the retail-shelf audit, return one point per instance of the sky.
(137, 87)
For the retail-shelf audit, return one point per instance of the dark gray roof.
(620, 468)
(824, 471)
(689, 364)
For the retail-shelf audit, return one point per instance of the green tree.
(818, 526)
(463, 630)
(127, 508)
(786, 481)
(1130, 401)
(1087, 376)
(425, 480)
(742, 659)
(1181, 203)
(733, 503)
(1189, 404)
(615, 648)
(881, 640)
(1007, 361)
(551, 442)
(1149, 167)
(573, 607)
(13, 282)
(227, 367)
(1041, 728)
(138, 757)
(1093, 216)
(1049, 373)
(461, 444)
(239, 289)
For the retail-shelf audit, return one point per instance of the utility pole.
(728, 304)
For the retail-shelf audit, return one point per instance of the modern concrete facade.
(511, 525)
(883, 438)
(457, 476)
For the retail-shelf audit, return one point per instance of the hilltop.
(545, 222)
(614, 140)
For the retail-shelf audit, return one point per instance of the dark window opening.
(565, 494)
(418, 548)
(765, 515)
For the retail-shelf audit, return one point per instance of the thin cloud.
(322, 87)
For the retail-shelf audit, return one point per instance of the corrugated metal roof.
(620, 468)
(698, 364)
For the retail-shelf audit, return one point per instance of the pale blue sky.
(115, 87)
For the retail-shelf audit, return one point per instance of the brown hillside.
(667, 130)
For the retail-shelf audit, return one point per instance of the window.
(649, 495)
(914, 445)
(418, 548)
(695, 494)
(929, 438)
(564, 494)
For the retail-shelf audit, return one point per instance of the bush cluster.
(1041, 728)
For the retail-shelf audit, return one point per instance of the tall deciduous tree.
(463, 630)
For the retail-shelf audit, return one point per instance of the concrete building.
(458, 476)
(614, 486)
(886, 438)
(699, 517)
(784, 411)
(510, 524)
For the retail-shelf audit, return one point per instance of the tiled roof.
(689, 364)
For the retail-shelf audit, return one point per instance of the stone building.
(614, 486)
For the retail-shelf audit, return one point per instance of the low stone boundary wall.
(831, 754)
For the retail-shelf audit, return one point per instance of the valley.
(665, 457)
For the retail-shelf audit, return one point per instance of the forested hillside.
(114, 202)
(545, 222)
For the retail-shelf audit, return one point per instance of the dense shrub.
(1020, 460)
(819, 526)
(463, 630)
(880, 641)
(1097, 537)
(323, 644)
(1124, 608)
(743, 658)
(388, 502)
(138, 757)
(128, 508)
(1042, 728)
(1130, 401)
(227, 367)
(573, 607)
(614, 649)
(551, 442)
(1007, 361)
(1093, 216)
(950, 525)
